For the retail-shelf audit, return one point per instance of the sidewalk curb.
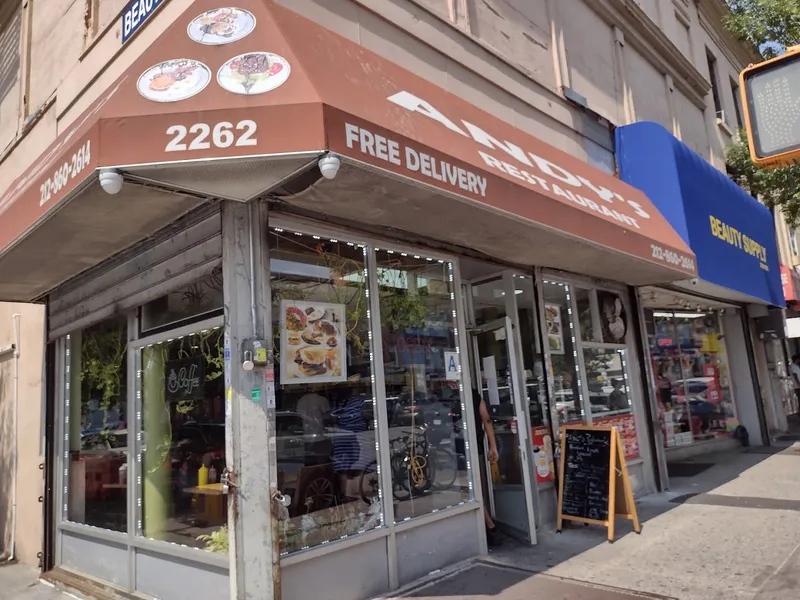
(439, 575)
(429, 579)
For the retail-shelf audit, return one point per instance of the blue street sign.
(136, 13)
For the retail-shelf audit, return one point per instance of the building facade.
(313, 228)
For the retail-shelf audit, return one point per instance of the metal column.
(250, 406)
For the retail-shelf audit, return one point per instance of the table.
(212, 497)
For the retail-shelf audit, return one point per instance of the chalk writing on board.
(586, 474)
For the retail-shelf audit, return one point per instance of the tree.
(777, 188)
(770, 26)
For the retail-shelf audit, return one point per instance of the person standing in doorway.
(484, 428)
(795, 370)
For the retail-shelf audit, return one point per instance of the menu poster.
(626, 425)
(543, 454)
(313, 342)
(555, 328)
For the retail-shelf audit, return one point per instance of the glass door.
(496, 368)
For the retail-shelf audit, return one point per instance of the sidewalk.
(18, 582)
(731, 532)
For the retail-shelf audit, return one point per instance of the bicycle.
(415, 466)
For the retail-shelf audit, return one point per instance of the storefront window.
(532, 354)
(182, 443)
(610, 394)
(583, 300)
(602, 396)
(199, 300)
(325, 415)
(96, 427)
(423, 390)
(692, 380)
(561, 339)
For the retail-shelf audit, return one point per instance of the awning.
(222, 90)
(732, 234)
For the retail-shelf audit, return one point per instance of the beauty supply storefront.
(703, 334)
(316, 254)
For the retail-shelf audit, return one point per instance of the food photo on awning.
(204, 116)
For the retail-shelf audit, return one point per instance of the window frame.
(135, 481)
(737, 103)
(723, 341)
(631, 368)
(286, 222)
(713, 75)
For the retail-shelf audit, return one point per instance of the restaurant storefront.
(707, 337)
(317, 254)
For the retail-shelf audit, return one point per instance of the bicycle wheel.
(401, 479)
(445, 468)
(369, 484)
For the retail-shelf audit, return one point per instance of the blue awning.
(731, 233)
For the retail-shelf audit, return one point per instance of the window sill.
(724, 127)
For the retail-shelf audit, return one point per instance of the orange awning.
(265, 82)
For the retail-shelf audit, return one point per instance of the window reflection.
(183, 441)
(98, 429)
(426, 425)
(198, 300)
(583, 300)
(563, 352)
(691, 376)
(532, 356)
(325, 417)
(610, 394)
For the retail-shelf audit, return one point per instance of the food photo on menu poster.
(313, 343)
(555, 330)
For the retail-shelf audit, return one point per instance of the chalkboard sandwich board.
(594, 487)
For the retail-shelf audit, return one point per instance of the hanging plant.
(102, 357)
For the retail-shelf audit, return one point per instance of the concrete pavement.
(18, 582)
(732, 532)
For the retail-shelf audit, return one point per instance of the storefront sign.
(185, 379)
(790, 282)
(135, 14)
(730, 232)
(533, 169)
(737, 239)
(414, 160)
